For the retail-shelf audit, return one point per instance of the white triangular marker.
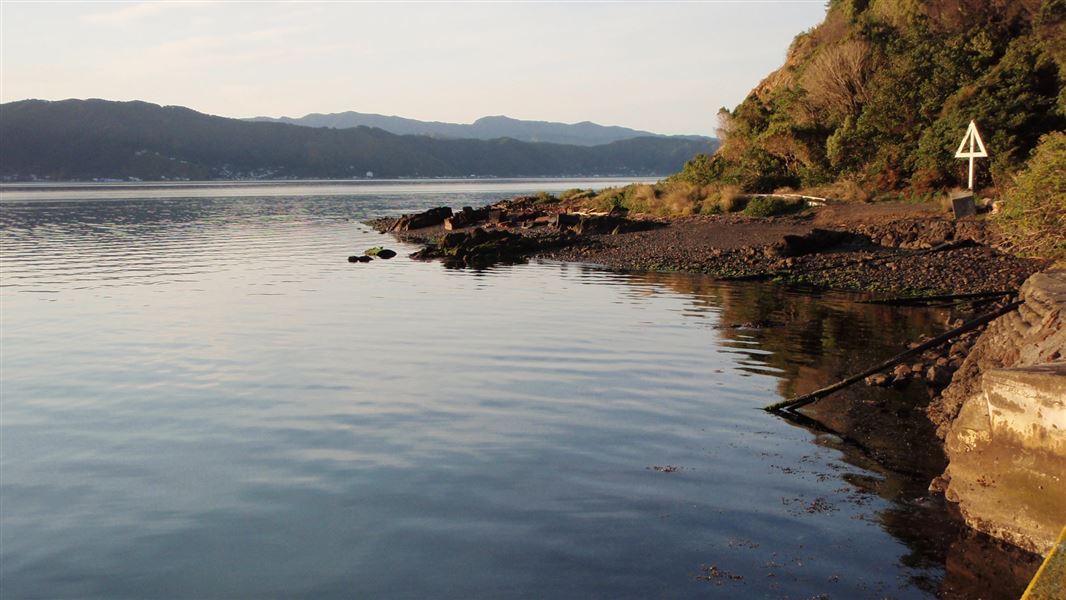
(971, 139)
(976, 148)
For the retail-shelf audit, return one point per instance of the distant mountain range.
(486, 128)
(100, 139)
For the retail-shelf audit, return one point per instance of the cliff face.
(1003, 420)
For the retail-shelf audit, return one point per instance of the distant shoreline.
(77, 184)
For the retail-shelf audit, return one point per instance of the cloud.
(220, 50)
(130, 13)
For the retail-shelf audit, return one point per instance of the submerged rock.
(481, 247)
(359, 259)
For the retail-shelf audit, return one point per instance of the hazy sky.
(664, 67)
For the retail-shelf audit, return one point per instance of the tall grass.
(670, 199)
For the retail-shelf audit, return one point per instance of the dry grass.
(836, 78)
(845, 189)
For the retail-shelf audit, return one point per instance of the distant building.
(369, 173)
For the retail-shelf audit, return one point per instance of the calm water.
(202, 399)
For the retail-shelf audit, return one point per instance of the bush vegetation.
(1033, 217)
(769, 206)
(879, 94)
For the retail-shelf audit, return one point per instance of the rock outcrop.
(429, 218)
(1003, 420)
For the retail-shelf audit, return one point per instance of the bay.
(203, 399)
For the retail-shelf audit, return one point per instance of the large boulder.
(479, 247)
(465, 218)
(429, 218)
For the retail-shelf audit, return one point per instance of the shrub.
(545, 198)
(769, 206)
(681, 199)
(576, 194)
(730, 199)
(1033, 218)
(608, 199)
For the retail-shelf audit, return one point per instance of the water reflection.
(209, 401)
(810, 339)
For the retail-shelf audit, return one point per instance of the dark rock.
(359, 259)
(598, 224)
(478, 247)
(938, 376)
(465, 218)
(879, 379)
(380, 252)
(818, 240)
(565, 221)
(429, 218)
(939, 484)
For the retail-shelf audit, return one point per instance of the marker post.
(971, 147)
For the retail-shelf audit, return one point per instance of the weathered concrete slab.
(1007, 445)
(1027, 407)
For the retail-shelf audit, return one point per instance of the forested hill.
(486, 128)
(83, 139)
(878, 96)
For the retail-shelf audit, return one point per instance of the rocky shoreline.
(899, 250)
(900, 253)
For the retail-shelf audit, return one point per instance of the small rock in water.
(361, 259)
(901, 371)
(380, 252)
(878, 379)
(938, 375)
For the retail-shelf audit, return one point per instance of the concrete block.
(962, 204)
(1027, 406)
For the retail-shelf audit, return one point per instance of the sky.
(665, 67)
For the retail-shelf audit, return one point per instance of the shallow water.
(202, 398)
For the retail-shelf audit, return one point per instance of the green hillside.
(876, 98)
